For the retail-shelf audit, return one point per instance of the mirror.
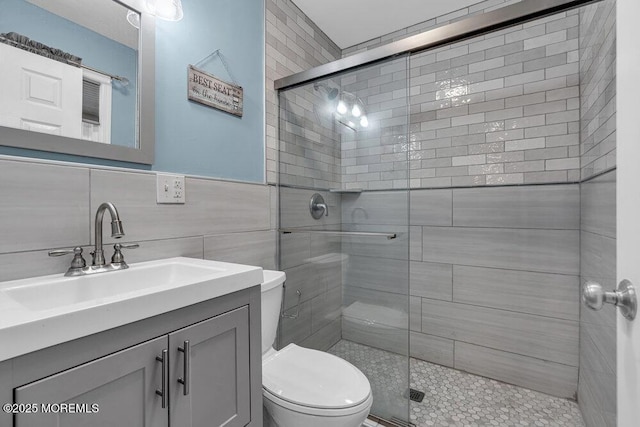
(71, 77)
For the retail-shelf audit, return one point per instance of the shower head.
(331, 92)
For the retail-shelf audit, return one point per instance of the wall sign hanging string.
(217, 53)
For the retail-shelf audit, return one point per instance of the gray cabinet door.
(123, 386)
(217, 372)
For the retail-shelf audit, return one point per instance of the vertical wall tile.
(548, 206)
(536, 336)
(190, 247)
(376, 208)
(45, 206)
(389, 275)
(544, 294)
(325, 338)
(431, 207)
(431, 280)
(598, 205)
(294, 208)
(431, 348)
(548, 377)
(252, 248)
(415, 243)
(552, 251)
(212, 206)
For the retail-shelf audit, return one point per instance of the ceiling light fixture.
(342, 107)
(347, 107)
(169, 10)
(133, 18)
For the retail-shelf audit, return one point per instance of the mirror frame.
(145, 152)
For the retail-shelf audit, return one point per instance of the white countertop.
(32, 324)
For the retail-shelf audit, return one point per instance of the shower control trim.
(317, 206)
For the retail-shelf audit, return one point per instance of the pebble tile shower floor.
(455, 398)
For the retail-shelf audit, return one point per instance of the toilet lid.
(313, 378)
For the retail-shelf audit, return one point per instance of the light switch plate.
(170, 189)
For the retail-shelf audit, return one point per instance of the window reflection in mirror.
(70, 68)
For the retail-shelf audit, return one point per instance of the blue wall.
(190, 137)
(95, 50)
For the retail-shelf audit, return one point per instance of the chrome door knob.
(624, 297)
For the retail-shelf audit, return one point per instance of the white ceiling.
(350, 22)
(104, 17)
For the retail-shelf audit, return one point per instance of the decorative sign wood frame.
(208, 90)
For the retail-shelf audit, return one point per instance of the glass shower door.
(345, 139)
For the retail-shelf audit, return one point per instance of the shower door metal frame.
(504, 17)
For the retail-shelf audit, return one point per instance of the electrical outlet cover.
(170, 189)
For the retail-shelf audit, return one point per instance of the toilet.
(304, 387)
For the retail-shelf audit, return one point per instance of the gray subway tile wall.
(309, 144)
(598, 87)
(498, 109)
(293, 43)
(597, 379)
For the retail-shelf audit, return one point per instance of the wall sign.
(208, 90)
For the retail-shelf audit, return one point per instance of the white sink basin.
(64, 291)
(43, 311)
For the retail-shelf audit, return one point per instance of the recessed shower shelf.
(389, 236)
(350, 191)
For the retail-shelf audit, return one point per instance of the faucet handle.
(117, 257)
(77, 263)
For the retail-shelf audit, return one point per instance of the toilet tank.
(271, 289)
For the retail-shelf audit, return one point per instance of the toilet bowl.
(304, 387)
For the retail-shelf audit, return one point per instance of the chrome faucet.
(116, 231)
(78, 264)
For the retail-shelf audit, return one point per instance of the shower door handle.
(624, 297)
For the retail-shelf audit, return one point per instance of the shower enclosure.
(344, 141)
(430, 196)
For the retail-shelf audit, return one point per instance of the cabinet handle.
(165, 365)
(186, 366)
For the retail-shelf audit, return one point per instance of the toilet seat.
(314, 382)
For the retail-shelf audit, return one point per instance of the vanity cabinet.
(209, 380)
(122, 385)
(212, 372)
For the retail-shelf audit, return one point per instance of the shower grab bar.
(389, 236)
